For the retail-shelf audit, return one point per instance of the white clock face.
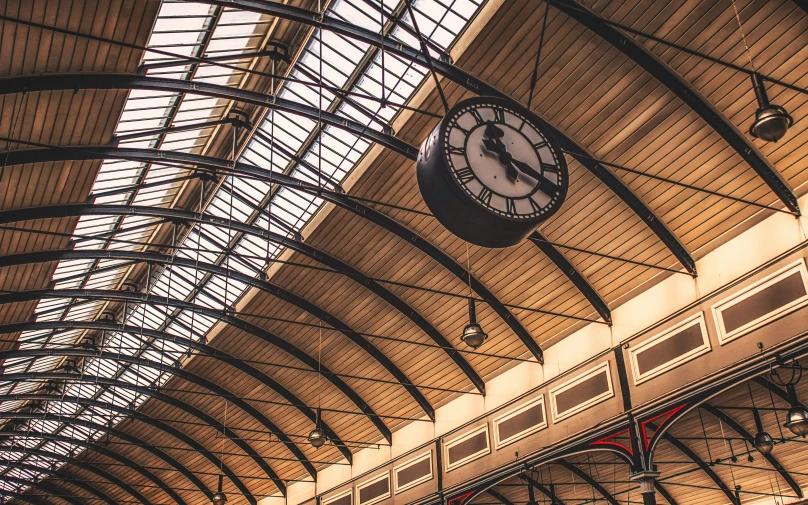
(503, 161)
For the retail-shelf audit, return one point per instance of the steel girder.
(477, 85)
(42, 486)
(52, 82)
(207, 349)
(98, 448)
(75, 482)
(186, 375)
(169, 400)
(589, 480)
(236, 322)
(740, 430)
(84, 466)
(267, 287)
(688, 94)
(380, 219)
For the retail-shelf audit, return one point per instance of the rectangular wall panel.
(581, 392)
(778, 294)
(413, 472)
(520, 422)
(343, 498)
(467, 448)
(374, 490)
(669, 349)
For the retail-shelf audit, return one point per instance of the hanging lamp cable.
(535, 77)
(427, 57)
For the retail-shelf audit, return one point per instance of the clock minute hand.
(527, 169)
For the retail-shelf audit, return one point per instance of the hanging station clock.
(490, 172)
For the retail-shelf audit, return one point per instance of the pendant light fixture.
(771, 121)
(219, 498)
(317, 437)
(473, 334)
(763, 442)
(797, 417)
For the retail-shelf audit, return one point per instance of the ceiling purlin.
(103, 474)
(100, 449)
(740, 430)
(168, 400)
(53, 490)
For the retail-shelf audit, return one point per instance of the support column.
(646, 480)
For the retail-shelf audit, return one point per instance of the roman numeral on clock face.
(485, 195)
(499, 115)
(477, 116)
(465, 175)
(547, 167)
(456, 150)
(510, 205)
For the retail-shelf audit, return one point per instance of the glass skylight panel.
(188, 29)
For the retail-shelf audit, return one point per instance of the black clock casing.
(462, 198)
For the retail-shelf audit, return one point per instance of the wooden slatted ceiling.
(60, 118)
(630, 119)
(653, 125)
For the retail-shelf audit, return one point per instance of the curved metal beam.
(332, 262)
(53, 82)
(589, 480)
(186, 375)
(236, 322)
(665, 493)
(75, 482)
(100, 449)
(477, 85)
(690, 454)
(688, 94)
(210, 351)
(573, 274)
(221, 166)
(265, 286)
(169, 400)
(130, 414)
(499, 497)
(554, 499)
(736, 426)
(84, 466)
(769, 385)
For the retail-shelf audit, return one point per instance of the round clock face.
(503, 161)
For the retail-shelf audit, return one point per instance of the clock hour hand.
(527, 169)
(496, 146)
